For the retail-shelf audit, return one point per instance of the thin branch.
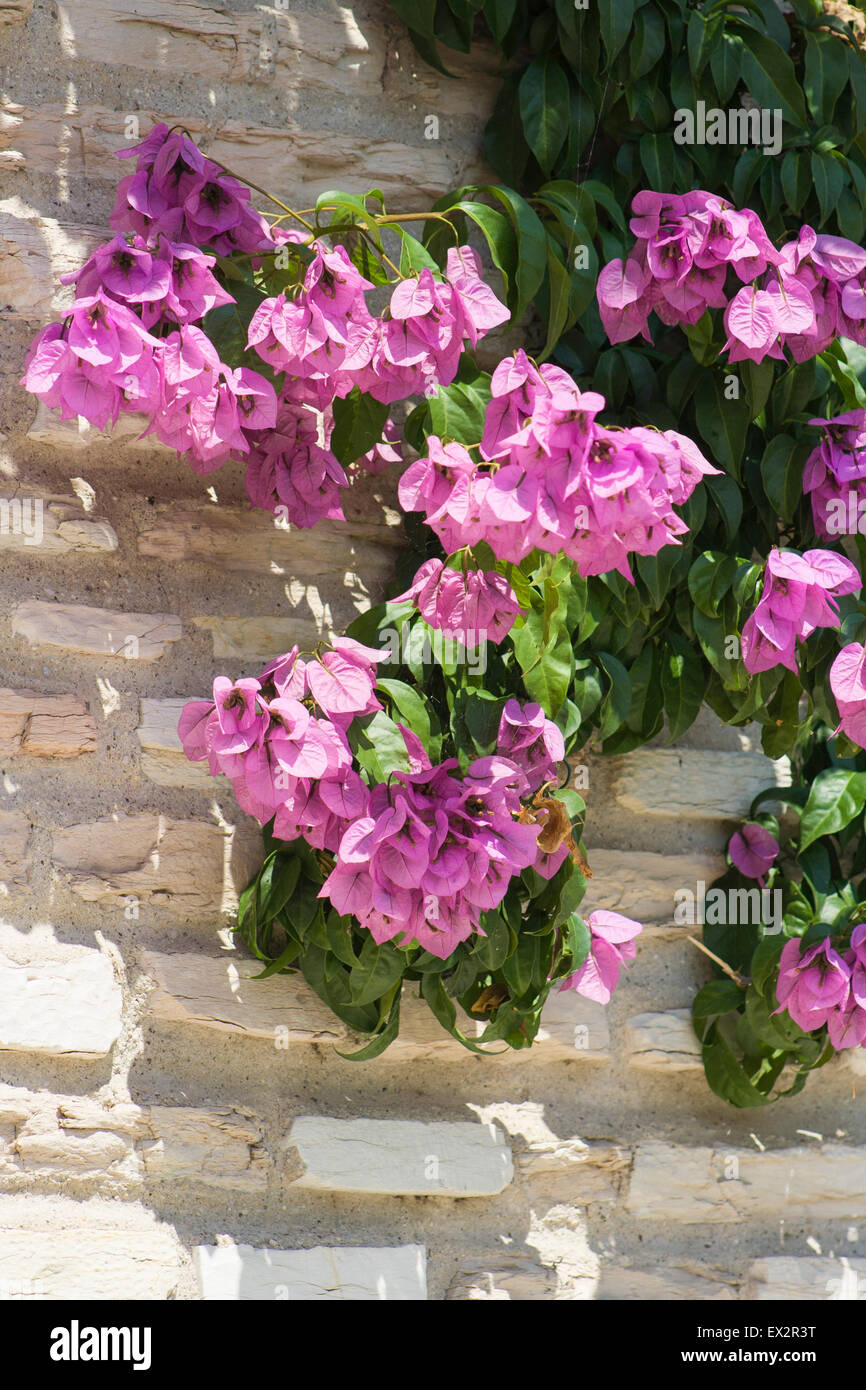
(741, 980)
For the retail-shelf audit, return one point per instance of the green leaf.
(531, 246)
(723, 423)
(725, 64)
(828, 177)
(796, 179)
(717, 997)
(782, 474)
(726, 1076)
(616, 704)
(648, 41)
(770, 77)
(436, 997)
(382, 1040)
(499, 234)
(358, 424)
(492, 949)
(684, 682)
(704, 37)
(457, 411)
(826, 74)
(657, 158)
(378, 968)
(544, 108)
(615, 19)
(413, 709)
(835, 798)
(560, 296)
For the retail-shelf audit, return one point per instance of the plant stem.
(723, 965)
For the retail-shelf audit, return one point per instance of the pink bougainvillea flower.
(848, 683)
(753, 850)
(612, 946)
(471, 606)
(811, 984)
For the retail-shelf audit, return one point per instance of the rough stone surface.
(804, 1279)
(641, 884)
(55, 1248)
(14, 851)
(403, 1157)
(292, 156)
(184, 866)
(665, 1283)
(394, 1274)
(220, 993)
(96, 631)
(219, 1147)
(821, 1183)
(45, 726)
(56, 998)
(694, 783)
(162, 755)
(73, 1138)
(663, 1041)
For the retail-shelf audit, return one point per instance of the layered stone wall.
(170, 1127)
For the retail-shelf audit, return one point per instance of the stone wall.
(169, 1127)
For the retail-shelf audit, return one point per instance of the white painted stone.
(15, 11)
(406, 1158)
(43, 1135)
(642, 884)
(34, 252)
(673, 1183)
(55, 1248)
(694, 784)
(347, 1273)
(184, 866)
(663, 1041)
(572, 1171)
(219, 992)
(803, 1278)
(55, 998)
(96, 631)
(341, 56)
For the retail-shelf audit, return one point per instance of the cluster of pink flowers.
(835, 474)
(753, 851)
(283, 758)
(848, 683)
(532, 741)
(547, 476)
(612, 946)
(472, 606)
(432, 851)
(798, 596)
(820, 986)
(177, 192)
(131, 343)
(418, 857)
(325, 332)
(800, 296)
